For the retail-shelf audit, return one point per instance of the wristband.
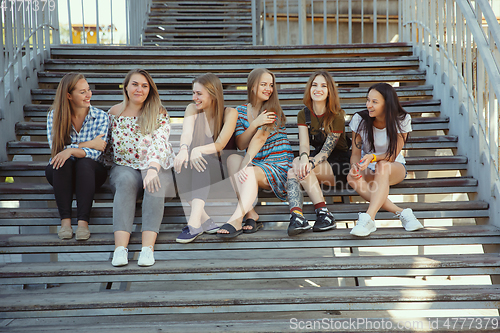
(154, 168)
(186, 145)
(312, 162)
(374, 159)
(303, 154)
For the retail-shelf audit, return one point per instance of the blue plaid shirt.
(96, 122)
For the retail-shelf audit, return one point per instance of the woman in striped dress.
(260, 130)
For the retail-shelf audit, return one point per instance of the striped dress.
(274, 158)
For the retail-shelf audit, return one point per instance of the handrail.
(338, 21)
(20, 48)
(463, 64)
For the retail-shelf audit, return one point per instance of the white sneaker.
(146, 257)
(408, 219)
(364, 225)
(120, 256)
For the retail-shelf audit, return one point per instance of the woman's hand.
(181, 159)
(354, 171)
(61, 157)
(242, 175)
(98, 143)
(264, 118)
(197, 160)
(302, 168)
(151, 182)
(365, 161)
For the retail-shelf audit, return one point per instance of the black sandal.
(256, 225)
(232, 231)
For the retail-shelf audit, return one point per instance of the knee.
(291, 174)
(233, 159)
(124, 181)
(352, 181)
(382, 167)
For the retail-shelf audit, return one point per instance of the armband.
(374, 159)
(312, 162)
(303, 154)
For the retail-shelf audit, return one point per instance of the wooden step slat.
(260, 300)
(264, 239)
(241, 269)
(174, 214)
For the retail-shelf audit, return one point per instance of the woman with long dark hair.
(76, 132)
(379, 134)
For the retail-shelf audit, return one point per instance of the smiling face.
(319, 89)
(265, 87)
(138, 89)
(201, 97)
(375, 103)
(80, 96)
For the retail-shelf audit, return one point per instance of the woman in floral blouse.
(142, 157)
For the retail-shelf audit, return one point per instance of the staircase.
(200, 22)
(256, 282)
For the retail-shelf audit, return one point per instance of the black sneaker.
(298, 224)
(324, 220)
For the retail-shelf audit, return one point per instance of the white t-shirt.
(380, 139)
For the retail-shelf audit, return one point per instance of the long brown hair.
(273, 103)
(61, 121)
(332, 100)
(151, 107)
(214, 88)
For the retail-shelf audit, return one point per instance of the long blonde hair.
(214, 88)
(151, 107)
(332, 100)
(273, 103)
(61, 121)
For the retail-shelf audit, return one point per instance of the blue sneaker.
(209, 226)
(188, 234)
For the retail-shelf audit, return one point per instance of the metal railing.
(105, 23)
(28, 30)
(458, 40)
(299, 22)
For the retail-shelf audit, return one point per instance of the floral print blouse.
(129, 147)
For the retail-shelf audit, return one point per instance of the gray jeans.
(127, 184)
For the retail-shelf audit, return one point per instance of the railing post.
(302, 21)
(254, 23)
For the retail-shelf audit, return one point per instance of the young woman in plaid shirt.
(76, 133)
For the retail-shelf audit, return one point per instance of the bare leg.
(121, 238)
(148, 238)
(248, 193)
(66, 223)
(374, 187)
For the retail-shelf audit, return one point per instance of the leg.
(248, 193)
(233, 164)
(89, 176)
(374, 187)
(63, 182)
(127, 183)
